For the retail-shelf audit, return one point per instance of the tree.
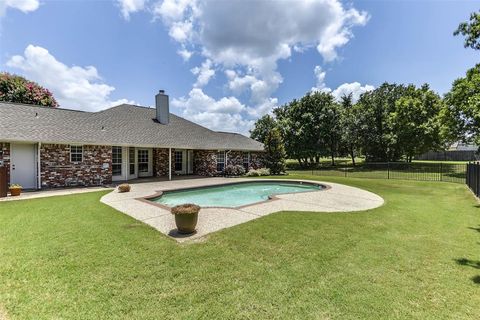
(463, 107)
(415, 121)
(15, 88)
(275, 152)
(378, 138)
(471, 31)
(262, 127)
(350, 124)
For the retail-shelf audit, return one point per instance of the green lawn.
(417, 257)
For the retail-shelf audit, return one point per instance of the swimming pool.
(234, 194)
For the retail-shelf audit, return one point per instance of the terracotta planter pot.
(186, 223)
(15, 192)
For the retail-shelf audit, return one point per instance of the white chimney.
(163, 110)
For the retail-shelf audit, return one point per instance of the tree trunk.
(352, 153)
(333, 159)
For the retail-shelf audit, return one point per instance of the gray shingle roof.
(125, 125)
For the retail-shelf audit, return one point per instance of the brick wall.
(160, 162)
(257, 160)
(58, 171)
(205, 162)
(5, 157)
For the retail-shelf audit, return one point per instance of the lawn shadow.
(476, 279)
(475, 228)
(469, 263)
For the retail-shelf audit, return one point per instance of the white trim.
(39, 166)
(75, 145)
(169, 164)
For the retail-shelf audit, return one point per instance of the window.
(178, 160)
(76, 153)
(246, 160)
(131, 160)
(117, 161)
(143, 160)
(220, 161)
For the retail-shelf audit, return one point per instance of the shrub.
(258, 172)
(124, 187)
(15, 88)
(187, 208)
(234, 170)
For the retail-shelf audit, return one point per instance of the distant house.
(52, 147)
(461, 146)
(458, 151)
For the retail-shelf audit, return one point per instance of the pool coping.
(272, 197)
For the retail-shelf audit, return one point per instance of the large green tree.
(415, 121)
(471, 31)
(274, 152)
(463, 107)
(14, 88)
(351, 127)
(262, 127)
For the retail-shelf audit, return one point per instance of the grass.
(417, 256)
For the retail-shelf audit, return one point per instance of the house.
(52, 147)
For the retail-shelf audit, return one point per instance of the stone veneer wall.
(5, 157)
(205, 162)
(257, 160)
(58, 171)
(235, 158)
(160, 162)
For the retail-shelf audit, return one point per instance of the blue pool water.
(233, 195)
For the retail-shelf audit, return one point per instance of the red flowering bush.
(15, 88)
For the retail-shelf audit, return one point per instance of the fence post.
(441, 171)
(388, 170)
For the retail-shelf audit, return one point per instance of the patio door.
(144, 160)
(179, 164)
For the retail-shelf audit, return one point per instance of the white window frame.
(116, 163)
(224, 160)
(76, 152)
(247, 153)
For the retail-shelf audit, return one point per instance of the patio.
(337, 198)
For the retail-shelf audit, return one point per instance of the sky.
(226, 63)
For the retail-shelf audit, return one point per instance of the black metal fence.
(473, 177)
(449, 172)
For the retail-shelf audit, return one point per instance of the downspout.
(169, 164)
(39, 167)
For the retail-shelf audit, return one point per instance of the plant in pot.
(15, 190)
(186, 217)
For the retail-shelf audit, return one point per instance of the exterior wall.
(205, 162)
(58, 171)
(257, 160)
(5, 157)
(160, 162)
(235, 158)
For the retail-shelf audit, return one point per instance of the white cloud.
(23, 5)
(73, 87)
(320, 76)
(354, 88)
(185, 54)
(203, 73)
(130, 6)
(223, 114)
(247, 39)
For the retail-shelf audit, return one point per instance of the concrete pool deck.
(337, 198)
